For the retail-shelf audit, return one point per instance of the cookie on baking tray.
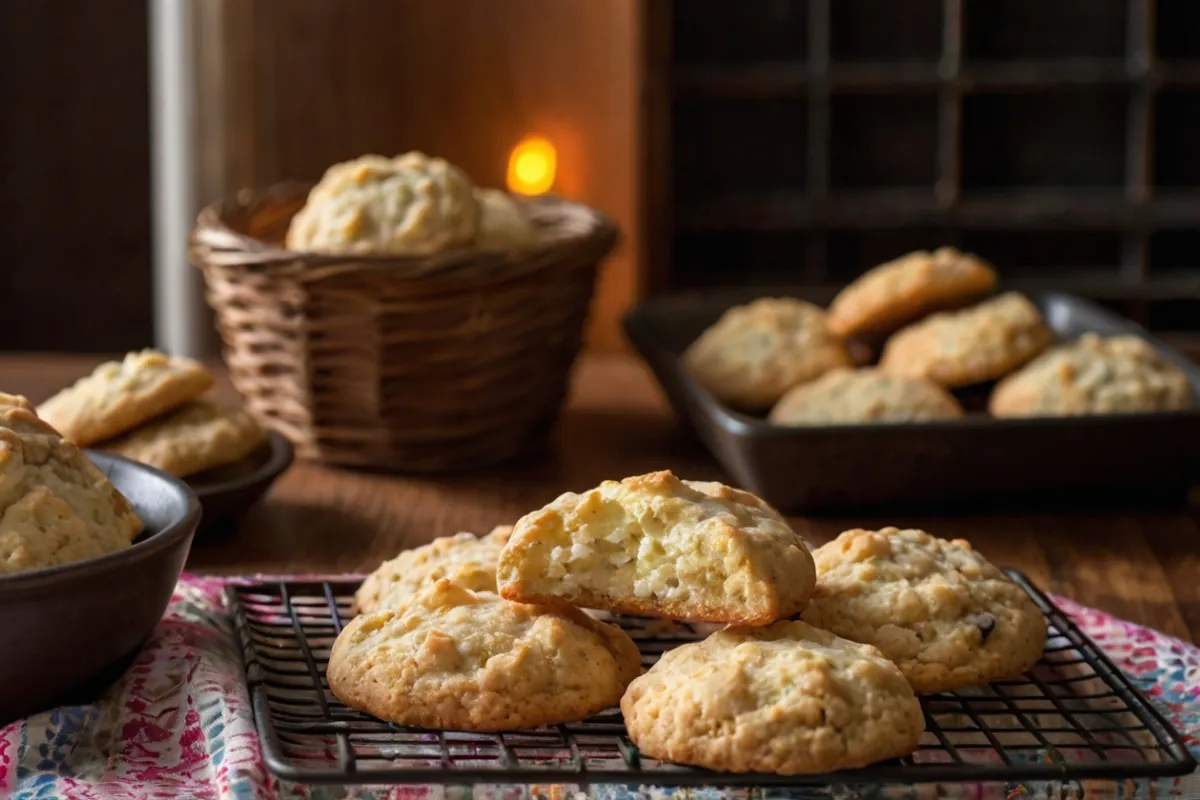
(894, 294)
(464, 559)
(120, 395)
(194, 438)
(56, 507)
(787, 698)
(754, 353)
(937, 608)
(1093, 375)
(660, 546)
(974, 345)
(846, 396)
(456, 659)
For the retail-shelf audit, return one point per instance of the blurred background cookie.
(754, 353)
(197, 437)
(503, 223)
(977, 344)
(864, 395)
(1093, 375)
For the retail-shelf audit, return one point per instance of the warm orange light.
(531, 166)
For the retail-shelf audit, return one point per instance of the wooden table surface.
(1143, 565)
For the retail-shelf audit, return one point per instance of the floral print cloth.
(179, 725)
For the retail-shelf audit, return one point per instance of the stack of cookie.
(793, 359)
(149, 407)
(489, 633)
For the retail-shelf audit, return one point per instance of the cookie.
(464, 559)
(1094, 375)
(503, 224)
(894, 294)
(937, 608)
(410, 204)
(974, 345)
(846, 396)
(755, 353)
(120, 395)
(55, 506)
(455, 659)
(787, 698)
(659, 546)
(191, 439)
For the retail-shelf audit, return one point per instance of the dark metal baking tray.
(977, 458)
(1074, 716)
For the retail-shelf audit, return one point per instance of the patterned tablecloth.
(178, 724)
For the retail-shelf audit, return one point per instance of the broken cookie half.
(659, 546)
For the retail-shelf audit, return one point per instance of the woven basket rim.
(213, 233)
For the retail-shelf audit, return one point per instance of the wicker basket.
(426, 363)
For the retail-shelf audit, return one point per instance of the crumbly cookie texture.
(410, 204)
(846, 396)
(1093, 375)
(660, 546)
(974, 345)
(503, 224)
(787, 698)
(120, 395)
(455, 659)
(464, 559)
(754, 353)
(894, 294)
(937, 608)
(199, 436)
(55, 506)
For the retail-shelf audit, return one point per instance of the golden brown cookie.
(55, 506)
(894, 294)
(196, 437)
(977, 344)
(756, 352)
(455, 659)
(937, 608)
(846, 396)
(1094, 375)
(464, 559)
(659, 546)
(120, 395)
(408, 204)
(787, 698)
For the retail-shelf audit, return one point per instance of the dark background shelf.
(811, 139)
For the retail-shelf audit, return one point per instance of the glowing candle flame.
(531, 166)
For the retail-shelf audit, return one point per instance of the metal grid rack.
(1074, 716)
(1024, 129)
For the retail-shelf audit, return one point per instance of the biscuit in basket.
(894, 294)
(120, 395)
(787, 698)
(846, 396)
(977, 344)
(1094, 375)
(659, 546)
(754, 353)
(199, 436)
(410, 204)
(464, 559)
(503, 224)
(56, 507)
(455, 659)
(937, 608)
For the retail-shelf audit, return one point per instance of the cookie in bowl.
(754, 353)
(659, 546)
(848, 397)
(200, 436)
(1093, 375)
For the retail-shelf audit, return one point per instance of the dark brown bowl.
(226, 493)
(70, 628)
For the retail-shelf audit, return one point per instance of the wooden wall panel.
(464, 79)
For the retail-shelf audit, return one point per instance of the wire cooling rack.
(1074, 716)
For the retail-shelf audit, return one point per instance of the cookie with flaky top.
(454, 659)
(787, 698)
(660, 546)
(937, 608)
